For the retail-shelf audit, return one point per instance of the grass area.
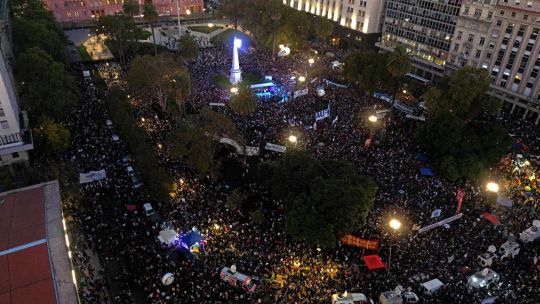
(228, 35)
(81, 49)
(204, 29)
(222, 80)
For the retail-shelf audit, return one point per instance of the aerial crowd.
(134, 261)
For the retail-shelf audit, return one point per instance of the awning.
(373, 262)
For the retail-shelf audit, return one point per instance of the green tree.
(217, 124)
(463, 93)
(160, 77)
(120, 29)
(399, 65)
(46, 88)
(324, 200)
(368, 71)
(194, 146)
(244, 102)
(151, 16)
(321, 27)
(189, 48)
(54, 137)
(232, 10)
(131, 7)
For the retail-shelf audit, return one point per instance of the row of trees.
(273, 23)
(47, 90)
(461, 133)
(154, 177)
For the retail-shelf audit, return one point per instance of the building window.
(456, 47)
(499, 22)
(2, 113)
(482, 40)
(15, 155)
(4, 124)
(459, 33)
(478, 12)
(513, 14)
(478, 52)
(490, 15)
(471, 38)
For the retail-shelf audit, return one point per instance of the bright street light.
(293, 139)
(210, 25)
(372, 118)
(404, 91)
(301, 78)
(234, 90)
(395, 224)
(492, 187)
(311, 60)
(188, 12)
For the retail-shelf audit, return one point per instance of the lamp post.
(395, 225)
(293, 139)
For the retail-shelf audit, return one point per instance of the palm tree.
(399, 65)
(131, 7)
(244, 103)
(151, 16)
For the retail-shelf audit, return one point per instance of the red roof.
(25, 269)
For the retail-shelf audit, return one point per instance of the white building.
(361, 15)
(15, 139)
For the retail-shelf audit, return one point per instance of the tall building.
(425, 27)
(359, 20)
(15, 138)
(85, 10)
(501, 36)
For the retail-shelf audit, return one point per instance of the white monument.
(236, 72)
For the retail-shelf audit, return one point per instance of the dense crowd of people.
(135, 260)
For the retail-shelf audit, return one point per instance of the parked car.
(483, 278)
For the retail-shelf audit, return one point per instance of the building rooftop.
(34, 263)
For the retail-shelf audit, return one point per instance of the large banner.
(250, 151)
(300, 93)
(275, 148)
(92, 176)
(334, 83)
(352, 240)
(438, 224)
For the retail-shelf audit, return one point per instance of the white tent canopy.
(167, 236)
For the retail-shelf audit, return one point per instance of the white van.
(531, 233)
(148, 210)
(349, 298)
(431, 287)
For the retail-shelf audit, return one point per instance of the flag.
(323, 114)
(459, 198)
(436, 213)
(335, 120)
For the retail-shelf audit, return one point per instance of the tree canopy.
(460, 133)
(244, 102)
(163, 78)
(324, 199)
(368, 71)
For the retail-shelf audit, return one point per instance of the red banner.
(459, 198)
(352, 240)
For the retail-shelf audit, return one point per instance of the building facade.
(360, 15)
(425, 28)
(502, 37)
(84, 10)
(15, 138)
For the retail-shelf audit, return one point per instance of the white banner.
(300, 93)
(334, 84)
(322, 114)
(250, 151)
(276, 148)
(217, 104)
(420, 118)
(314, 79)
(441, 223)
(92, 176)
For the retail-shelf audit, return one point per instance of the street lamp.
(301, 78)
(210, 25)
(311, 61)
(234, 90)
(293, 139)
(373, 118)
(492, 187)
(395, 225)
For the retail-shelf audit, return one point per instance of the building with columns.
(424, 27)
(359, 21)
(502, 37)
(86, 10)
